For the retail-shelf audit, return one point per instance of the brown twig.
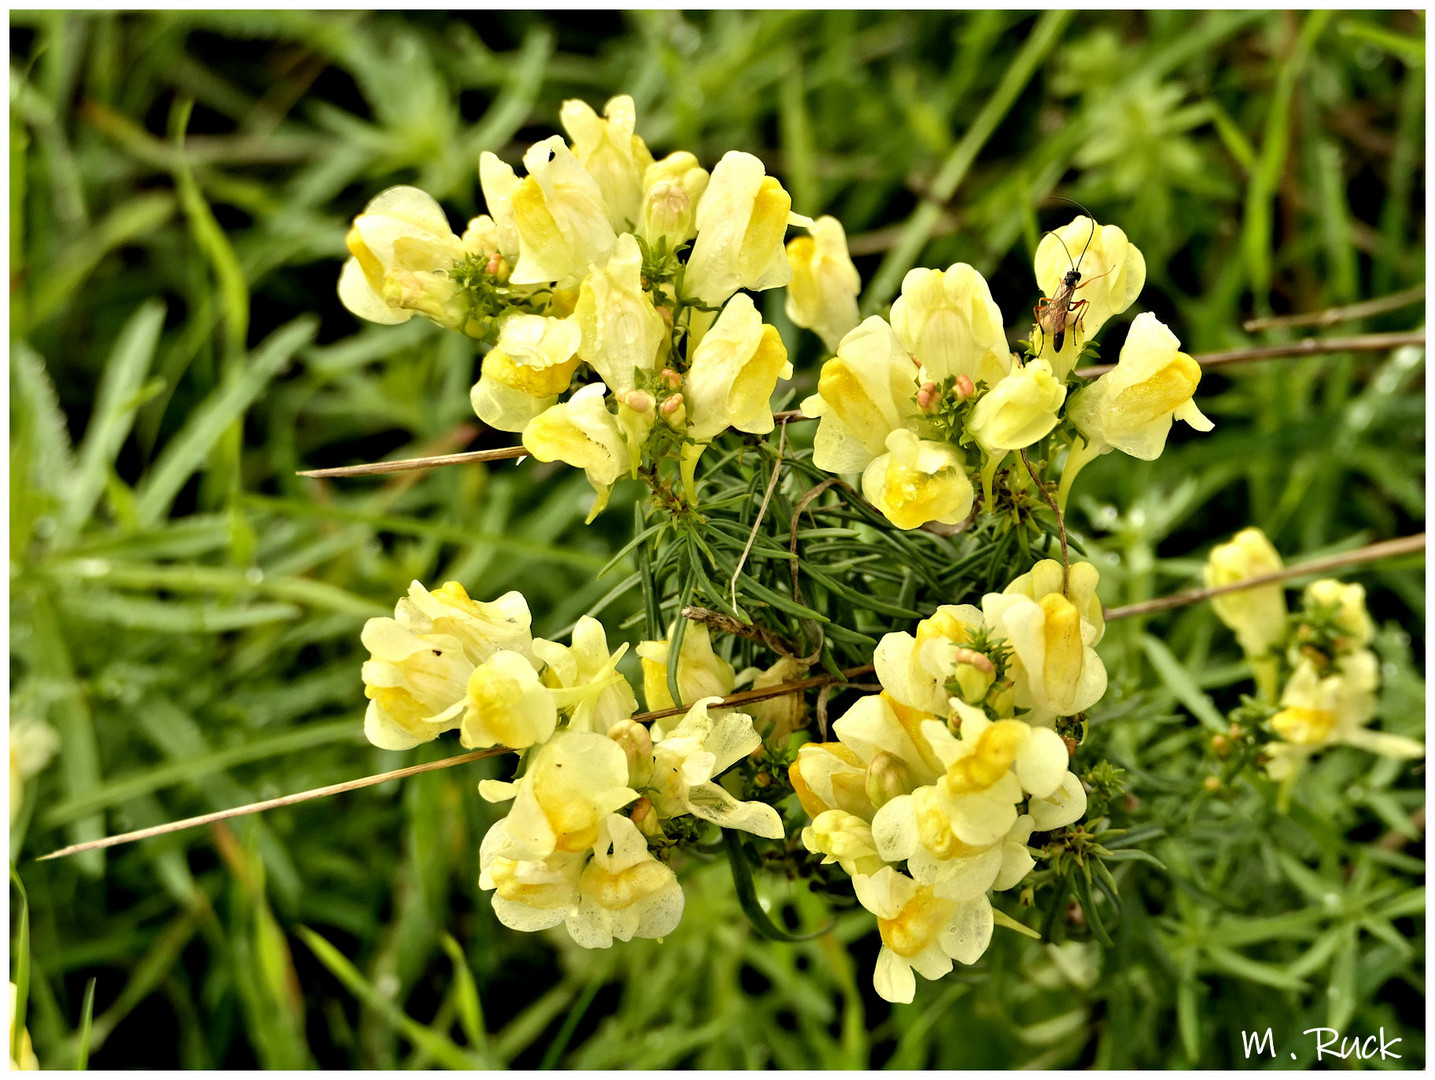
(1308, 347)
(744, 698)
(1406, 545)
(1331, 316)
(761, 512)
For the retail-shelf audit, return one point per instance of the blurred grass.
(185, 611)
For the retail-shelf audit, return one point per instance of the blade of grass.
(438, 1046)
(187, 451)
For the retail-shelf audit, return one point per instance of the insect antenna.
(1090, 236)
(1059, 240)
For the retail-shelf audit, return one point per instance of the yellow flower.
(624, 891)
(1054, 668)
(562, 221)
(1131, 407)
(583, 433)
(949, 322)
(530, 893)
(1348, 602)
(920, 931)
(844, 839)
(918, 481)
(864, 393)
(701, 672)
(734, 372)
(401, 249)
(822, 295)
(585, 680)
(574, 781)
(420, 660)
(830, 776)
(689, 756)
(1112, 274)
(671, 190)
(741, 222)
(1257, 615)
(1018, 410)
(507, 705)
(610, 152)
(523, 374)
(1318, 712)
(33, 743)
(779, 717)
(498, 181)
(622, 332)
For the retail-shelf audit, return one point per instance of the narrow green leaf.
(87, 1017)
(188, 450)
(438, 1046)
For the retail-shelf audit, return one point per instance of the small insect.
(1057, 314)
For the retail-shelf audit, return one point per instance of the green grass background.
(185, 611)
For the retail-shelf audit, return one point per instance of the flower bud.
(1001, 698)
(927, 396)
(646, 818)
(639, 401)
(670, 378)
(964, 388)
(667, 214)
(1220, 746)
(637, 746)
(1212, 784)
(887, 777)
(674, 411)
(975, 675)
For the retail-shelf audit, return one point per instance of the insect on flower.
(1057, 314)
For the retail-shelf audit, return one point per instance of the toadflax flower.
(1257, 615)
(583, 433)
(701, 672)
(822, 295)
(688, 756)
(420, 661)
(1131, 408)
(584, 678)
(624, 892)
(611, 153)
(1319, 711)
(948, 321)
(741, 221)
(561, 218)
(1112, 270)
(573, 781)
(1052, 633)
(523, 374)
(734, 371)
(918, 481)
(401, 250)
(623, 336)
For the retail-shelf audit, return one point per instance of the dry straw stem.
(1406, 545)
(1331, 316)
(1308, 347)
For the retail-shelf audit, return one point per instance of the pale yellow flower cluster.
(1333, 678)
(597, 787)
(928, 401)
(601, 259)
(939, 771)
